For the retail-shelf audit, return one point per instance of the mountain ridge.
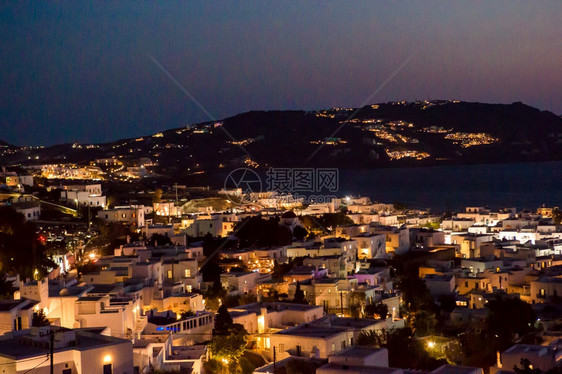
(380, 135)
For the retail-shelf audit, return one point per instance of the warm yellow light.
(261, 323)
(431, 344)
(106, 359)
(225, 360)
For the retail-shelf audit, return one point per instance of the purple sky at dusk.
(80, 71)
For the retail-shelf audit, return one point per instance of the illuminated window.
(187, 273)
(169, 274)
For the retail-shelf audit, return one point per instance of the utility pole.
(341, 302)
(52, 348)
(274, 360)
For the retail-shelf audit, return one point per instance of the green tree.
(229, 339)
(113, 234)
(300, 233)
(280, 269)
(228, 346)
(39, 319)
(262, 232)
(447, 303)
(159, 239)
(20, 248)
(213, 366)
(509, 318)
(299, 297)
(415, 293)
(246, 366)
(423, 322)
(6, 287)
(187, 313)
(223, 321)
(331, 220)
(404, 350)
(213, 295)
(379, 309)
(478, 349)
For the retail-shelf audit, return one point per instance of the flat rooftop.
(358, 351)
(13, 346)
(334, 367)
(311, 331)
(275, 306)
(526, 348)
(454, 369)
(360, 323)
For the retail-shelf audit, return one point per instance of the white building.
(75, 351)
(31, 209)
(370, 245)
(130, 215)
(16, 314)
(84, 197)
(13, 179)
(397, 239)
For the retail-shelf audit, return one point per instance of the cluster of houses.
(143, 308)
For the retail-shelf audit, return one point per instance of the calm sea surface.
(521, 185)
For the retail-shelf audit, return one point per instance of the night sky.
(81, 71)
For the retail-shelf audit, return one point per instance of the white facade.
(84, 198)
(131, 215)
(371, 245)
(76, 351)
